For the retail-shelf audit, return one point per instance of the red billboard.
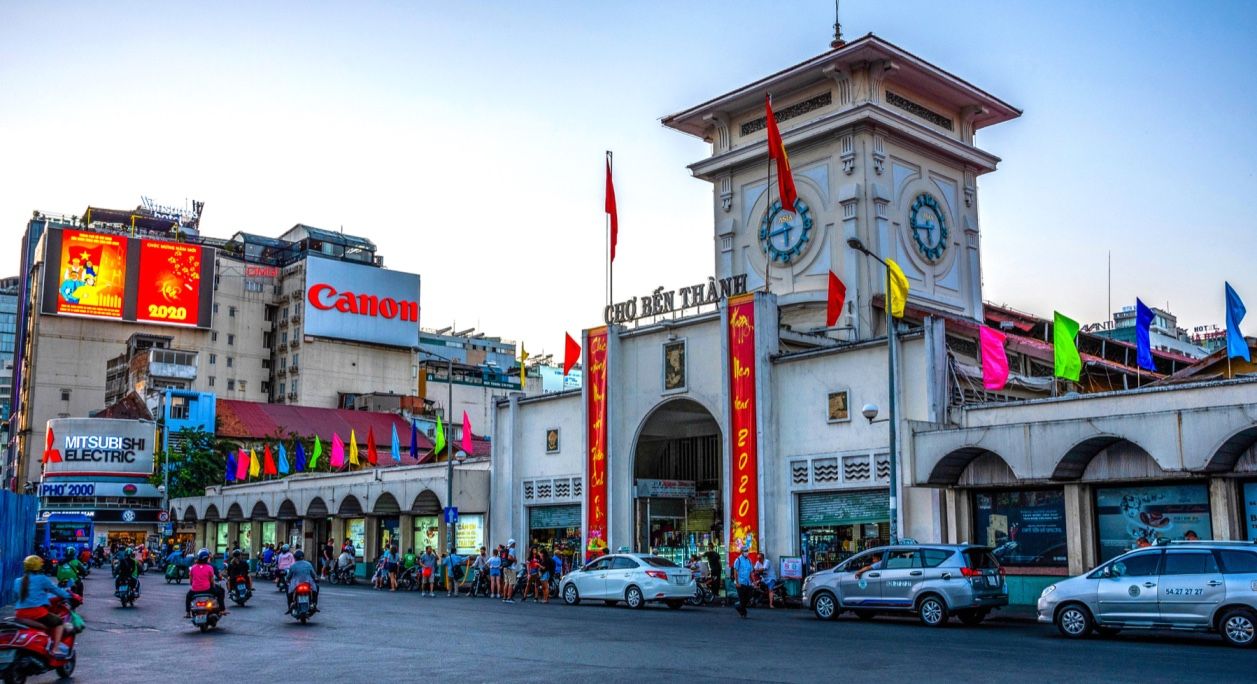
(169, 289)
(744, 426)
(91, 274)
(596, 442)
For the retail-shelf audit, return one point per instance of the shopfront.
(388, 531)
(557, 529)
(269, 529)
(1025, 527)
(1248, 508)
(356, 531)
(836, 525)
(244, 535)
(1135, 516)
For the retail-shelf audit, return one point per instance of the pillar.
(233, 536)
(371, 539)
(406, 530)
(1080, 528)
(1224, 509)
(338, 532)
(255, 541)
(202, 534)
(310, 538)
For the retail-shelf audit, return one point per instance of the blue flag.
(1143, 322)
(414, 440)
(1236, 345)
(231, 467)
(396, 447)
(283, 459)
(301, 458)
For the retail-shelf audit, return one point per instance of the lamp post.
(870, 411)
(449, 446)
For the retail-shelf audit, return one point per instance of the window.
(1139, 565)
(294, 386)
(213, 336)
(231, 384)
(215, 307)
(284, 314)
(657, 562)
(213, 359)
(1238, 562)
(244, 385)
(295, 357)
(211, 381)
(935, 557)
(65, 395)
(1198, 563)
(230, 361)
(1026, 527)
(902, 560)
(266, 363)
(623, 563)
(283, 337)
(281, 388)
(231, 312)
(600, 564)
(266, 387)
(283, 362)
(980, 559)
(231, 339)
(178, 408)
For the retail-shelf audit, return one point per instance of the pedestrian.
(390, 566)
(480, 565)
(546, 568)
(428, 562)
(716, 567)
(742, 570)
(763, 577)
(349, 546)
(450, 562)
(508, 572)
(328, 555)
(495, 573)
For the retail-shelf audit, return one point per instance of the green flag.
(318, 451)
(1065, 351)
(439, 441)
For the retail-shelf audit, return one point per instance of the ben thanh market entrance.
(677, 467)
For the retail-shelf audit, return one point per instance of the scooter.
(409, 579)
(175, 573)
(265, 571)
(240, 590)
(302, 607)
(342, 575)
(125, 592)
(281, 581)
(206, 611)
(24, 646)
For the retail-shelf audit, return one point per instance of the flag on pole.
(231, 467)
(466, 434)
(301, 457)
(898, 295)
(395, 449)
(523, 358)
(316, 453)
(611, 210)
(837, 297)
(438, 443)
(1064, 348)
(268, 461)
(777, 151)
(994, 358)
(414, 439)
(373, 456)
(1143, 341)
(255, 468)
(338, 451)
(1236, 345)
(353, 447)
(283, 459)
(242, 466)
(571, 353)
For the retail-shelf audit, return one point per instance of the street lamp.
(870, 410)
(449, 446)
(165, 502)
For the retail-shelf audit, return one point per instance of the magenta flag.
(338, 451)
(466, 435)
(242, 466)
(994, 358)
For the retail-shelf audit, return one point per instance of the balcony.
(292, 396)
(293, 369)
(281, 372)
(296, 318)
(172, 363)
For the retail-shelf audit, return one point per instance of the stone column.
(1223, 509)
(338, 532)
(371, 540)
(1080, 528)
(233, 535)
(406, 530)
(255, 540)
(202, 534)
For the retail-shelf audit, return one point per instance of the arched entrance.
(677, 482)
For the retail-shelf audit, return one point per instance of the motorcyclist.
(128, 570)
(204, 578)
(268, 554)
(34, 592)
(239, 567)
(345, 562)
(69, 573)
(302, 571)
(283, 562)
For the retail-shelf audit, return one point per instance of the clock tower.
(881, 144)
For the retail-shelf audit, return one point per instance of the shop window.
(1238, 562)
(1026, 528)
(1135, 517)
(1198, 563)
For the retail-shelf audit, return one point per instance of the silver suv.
(1202, 586)
(935, 581)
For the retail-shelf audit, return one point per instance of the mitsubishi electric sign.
(350, 301)
(77, 448)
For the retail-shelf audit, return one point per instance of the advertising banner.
(596, 439)
(98, 447)
(169, 289)
(743, 426)
(91, 273)
(427, 533)
(469, 533)
(1025, 528)
(361, 303)
(1250, 510)
(1133, 517)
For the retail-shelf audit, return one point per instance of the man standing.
(508, 572)
(714, 564)
(742, 569)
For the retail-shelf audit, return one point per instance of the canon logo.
(325, 297)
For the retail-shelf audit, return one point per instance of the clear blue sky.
(467, 139)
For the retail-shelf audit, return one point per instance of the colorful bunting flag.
(231, 467)
(1236, 345)
(373, 457)
(1143, 341)
(338, 451)
(609, 207)
(353, 448)
(571, 354)
(283, 459)
(466, 434)
(898, 288)
(777, 151)
(994, 358)
(439, 439)
(414, 439)
(255, 468)
(316, 453)
(1064, 348)
(395, 448)
(523, 358)
(837, 297)
(268, 461)
(301, 457)
(242, 466)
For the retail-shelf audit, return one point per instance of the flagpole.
(768, 205)
(607, 220)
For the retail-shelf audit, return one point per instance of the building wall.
(240, 338)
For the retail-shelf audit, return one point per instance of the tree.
(196, 460)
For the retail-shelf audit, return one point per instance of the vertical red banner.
(744, 492)
(596, 439)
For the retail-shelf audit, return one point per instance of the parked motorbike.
(206, 611)
(24, 645)
(409, 579)
(240, 590)
(126, 593)
(703, 595)
(302, 607)
(265, 571)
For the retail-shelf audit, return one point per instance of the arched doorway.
(677, 482)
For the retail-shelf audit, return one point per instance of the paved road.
(364, 636)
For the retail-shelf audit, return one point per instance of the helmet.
(284, 548)
(69, 552)
(33, 563)
(299, 555)
(236, 553)
(203, 554)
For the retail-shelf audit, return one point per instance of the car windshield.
(657, 562)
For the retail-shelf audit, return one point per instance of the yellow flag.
(255, 468)
(523, 358)
(898, 294)
(353, 448)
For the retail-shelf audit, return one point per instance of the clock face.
(929, 227)
(784, 235)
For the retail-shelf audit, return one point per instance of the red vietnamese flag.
(837, 297)
(571, 354)
(610, 209)
(51, 455)
(777, 150)
(373, 457)
(268, 465)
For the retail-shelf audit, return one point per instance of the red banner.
(744, 496)
(596, 439)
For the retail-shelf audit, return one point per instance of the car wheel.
(570, 595)
(1074, 621)
(971, 617)
(66, 671)
(633, 597)
(1238, 626)
(932, 611)
(675, 604)
(825, 606)
(865, 614)
(14, 677)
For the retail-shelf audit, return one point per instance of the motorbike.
(703, 595)
(126, 593)
(206, 611)
(760, 591)
(409, 579)
(281, 581)
(342, 575)
(302, 607)
(175, 573)
(240, 590)
(24, 645)
(265, 571)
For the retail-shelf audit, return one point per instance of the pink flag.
(994, 358)
(466, 434)
(338, 451)
(242, 466)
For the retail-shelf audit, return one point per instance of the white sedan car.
(634, 578)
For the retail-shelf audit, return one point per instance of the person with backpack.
(509, 569)
(495, 573)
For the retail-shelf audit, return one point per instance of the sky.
(467, 139)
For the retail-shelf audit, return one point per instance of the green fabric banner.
(1065, 351)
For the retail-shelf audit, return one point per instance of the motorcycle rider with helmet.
(302, 571)
(128, 570)
(34, 592)
(70, 573)
(239, 567)
(283, 562)
(203, 578)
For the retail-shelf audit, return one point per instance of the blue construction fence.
(17, 538)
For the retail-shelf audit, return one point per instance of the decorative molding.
(553, 490)
(720, 122)
(726, 191)
(877, 73)
(879, 154)
(967, 115)
(920, 111)
(848, 154)
(842, 81)
(970, 187)
(786, 113)
(838, 471)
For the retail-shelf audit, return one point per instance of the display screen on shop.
(1026, 528)
(1134, 517)
(469, 533)
(89, 271)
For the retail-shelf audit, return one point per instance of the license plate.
(7, 655)
(198, 619)
(303, 602)
(241, 588)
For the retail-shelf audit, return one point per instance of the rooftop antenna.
(837, 42)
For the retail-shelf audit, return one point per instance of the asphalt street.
(364, 636)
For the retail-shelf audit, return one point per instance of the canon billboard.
(350, 301)
(98, 447)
